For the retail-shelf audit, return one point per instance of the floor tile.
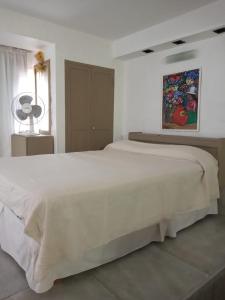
(149, 274)
(12, 277)
(79, 287)
(219, 287)
(205, 293)
(201, 245)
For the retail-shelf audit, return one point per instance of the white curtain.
(13, 73)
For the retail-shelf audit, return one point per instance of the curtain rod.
(25, 50)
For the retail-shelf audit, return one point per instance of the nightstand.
(23, 145)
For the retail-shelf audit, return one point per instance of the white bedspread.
(71, 203)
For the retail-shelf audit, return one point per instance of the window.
(35, 83)
(43, 97)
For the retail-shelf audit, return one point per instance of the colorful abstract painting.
(181, 100)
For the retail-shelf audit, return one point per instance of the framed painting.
(180, 107)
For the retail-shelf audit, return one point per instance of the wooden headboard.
(215, 146)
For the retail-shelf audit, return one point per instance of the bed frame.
(215, 146)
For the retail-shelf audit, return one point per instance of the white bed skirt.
(25, 250)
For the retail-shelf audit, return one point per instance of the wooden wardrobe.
(89, 106)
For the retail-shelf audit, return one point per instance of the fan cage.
(24, 126)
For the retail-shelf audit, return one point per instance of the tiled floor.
(192, 266)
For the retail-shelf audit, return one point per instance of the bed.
(63, 214)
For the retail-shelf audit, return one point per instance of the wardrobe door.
(101, 107)
(89, 106)
(78, 77)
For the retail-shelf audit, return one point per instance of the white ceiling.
(110, 19)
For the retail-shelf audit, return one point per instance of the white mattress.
(72, 205)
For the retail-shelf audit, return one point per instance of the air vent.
(187, 55)
(179, 42)
(219, 30)
(147, 51)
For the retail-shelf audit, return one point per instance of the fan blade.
(36, 111)
(21, 115)
(25, 99)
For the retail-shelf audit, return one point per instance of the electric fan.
(27, 111)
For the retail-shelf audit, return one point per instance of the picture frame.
(181, 100)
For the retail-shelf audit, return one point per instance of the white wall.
(137, 82)
(68, 44)
(143, 89)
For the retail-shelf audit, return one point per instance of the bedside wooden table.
(23, 145)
